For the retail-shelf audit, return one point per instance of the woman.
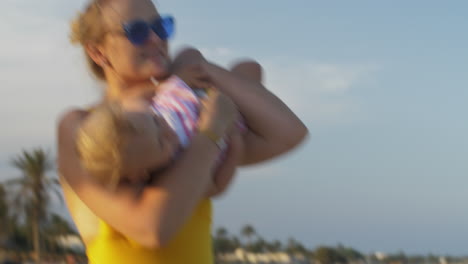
(169, 221)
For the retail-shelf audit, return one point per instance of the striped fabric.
(179, 106)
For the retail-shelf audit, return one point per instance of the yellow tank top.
(192, 244)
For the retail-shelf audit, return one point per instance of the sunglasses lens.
(164, 27)
(137, 32)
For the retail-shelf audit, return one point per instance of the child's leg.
(249, 69)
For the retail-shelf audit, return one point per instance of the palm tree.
(221, 233)
(55, 228)
(235, 243)
(32, 187)
(328, 255)
(295, 247)
(259, 246)
(58, 226)
(4, 218)
(274, 246)
(221, 241)
(277, 246)
(248, 231)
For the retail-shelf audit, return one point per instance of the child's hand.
(194, 76)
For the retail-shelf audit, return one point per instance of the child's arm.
(273, 128)
(226, 171)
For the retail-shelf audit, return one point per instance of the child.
(126, 141)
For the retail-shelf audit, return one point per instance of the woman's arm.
(153, 217)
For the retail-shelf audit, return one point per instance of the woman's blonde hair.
(88, 27)
(101, 142)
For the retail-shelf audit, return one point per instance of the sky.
(381, 85)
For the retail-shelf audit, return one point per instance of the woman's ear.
(96, 55)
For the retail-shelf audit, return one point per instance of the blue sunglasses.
(138, 31)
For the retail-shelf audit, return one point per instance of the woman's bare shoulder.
(73, 114)
(70, 118)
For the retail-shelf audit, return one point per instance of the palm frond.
(31, 188)
(33, 163)
(15, 181)
(59, 195)
(56, 181)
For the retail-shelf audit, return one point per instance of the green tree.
(4, 216)
(221, 232)
(221, 242)
(294, 247)
(248, 232)
(260, 245)
(56, 227)
(276, 246)
(400, 257)
(431, 258)
(416, 259)
(327, 255)
(33, 188)
(19, 237)
(349, 253)
(235, 243)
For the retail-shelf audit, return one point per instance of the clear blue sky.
(382, 87)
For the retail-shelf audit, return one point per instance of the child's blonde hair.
(101, 142)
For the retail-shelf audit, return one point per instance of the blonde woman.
(125, 42)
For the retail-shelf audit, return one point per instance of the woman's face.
(126, 60)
